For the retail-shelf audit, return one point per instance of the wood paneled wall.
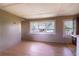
(77, 25)
(46, 37)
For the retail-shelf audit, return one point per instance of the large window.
(69, 27)
(42, 26)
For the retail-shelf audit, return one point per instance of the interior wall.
(50, 37)
(0, 30)
(77, 27)
(58, 37)
(10, 30)
(25, 25)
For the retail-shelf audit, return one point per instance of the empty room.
(39, 29)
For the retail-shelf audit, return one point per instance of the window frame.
(65, 29)
(43, 32)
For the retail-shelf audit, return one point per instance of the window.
(68, 27)
(42, 26)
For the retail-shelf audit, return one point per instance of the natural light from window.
(68, 27)
(47, 26)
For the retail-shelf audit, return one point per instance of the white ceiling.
(40, 10)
